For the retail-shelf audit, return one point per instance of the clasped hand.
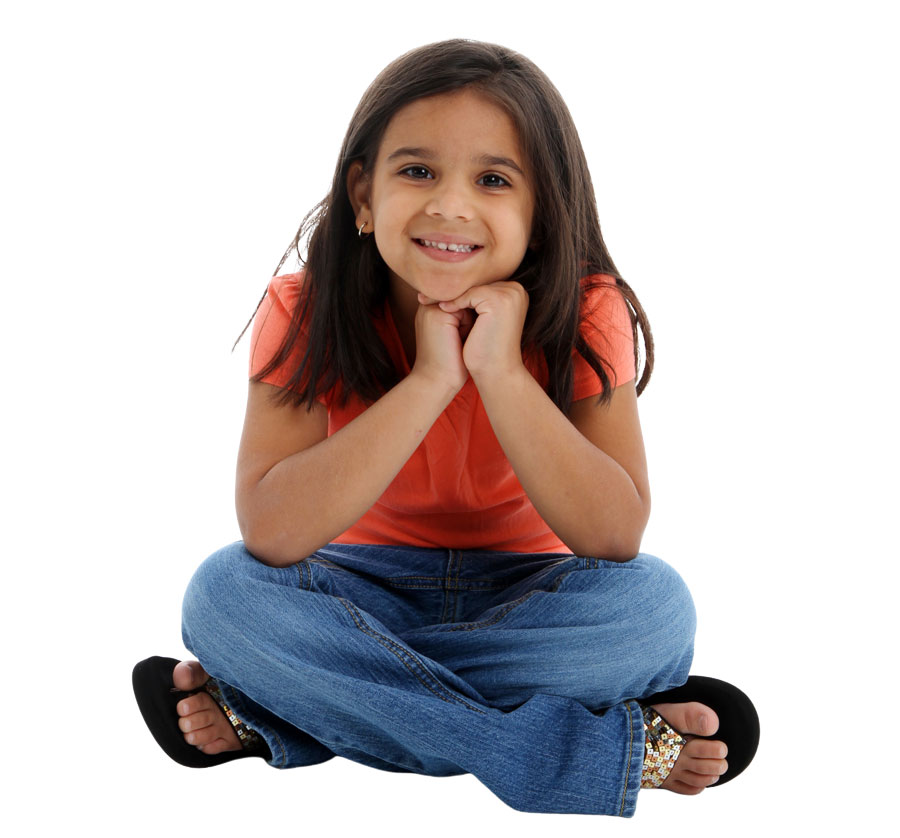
(478, 334)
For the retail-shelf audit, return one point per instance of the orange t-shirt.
(457, 490)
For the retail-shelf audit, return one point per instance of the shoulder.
(606, 326)
(602, 299)
(283, 292)
(272, 322)
(605, 315)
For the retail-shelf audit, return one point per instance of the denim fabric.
(520, 669)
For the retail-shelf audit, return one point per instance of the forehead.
(464, 121)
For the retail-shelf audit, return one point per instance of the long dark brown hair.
(346, 279)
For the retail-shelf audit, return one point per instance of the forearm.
(584, 495)
(309, 498)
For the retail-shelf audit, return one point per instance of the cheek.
(390, 210)
(520, 226)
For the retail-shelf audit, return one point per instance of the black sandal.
(738, 719)
(157, 698)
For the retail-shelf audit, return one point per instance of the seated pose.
(441, 484)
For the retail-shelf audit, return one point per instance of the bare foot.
(702, 761)
(201, 720)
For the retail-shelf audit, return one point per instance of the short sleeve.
(606, 326)
(273, 318)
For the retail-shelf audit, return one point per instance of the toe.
(691, 717)
(195, 704)
(203, 736)
(705, 767)
(698, 781)
(707, 749)
(680, 787)
(196, 721)
(189, 675)
(217, 746)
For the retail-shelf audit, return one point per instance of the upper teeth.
(459, 248)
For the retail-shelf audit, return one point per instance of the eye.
(416, 172)
(492, 180)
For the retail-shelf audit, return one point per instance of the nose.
(450, 198)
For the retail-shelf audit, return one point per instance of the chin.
(451, 288)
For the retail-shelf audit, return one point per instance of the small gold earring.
(362, 227)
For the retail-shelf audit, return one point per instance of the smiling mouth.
(453, 248)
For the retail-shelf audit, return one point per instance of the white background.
(157, 159)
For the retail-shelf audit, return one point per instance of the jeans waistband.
(440, 569)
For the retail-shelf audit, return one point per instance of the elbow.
(269, 545)
(269, 554)
(611, 549)
(619, 543)
(622, 551)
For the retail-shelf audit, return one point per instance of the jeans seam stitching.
(630, 749)
(445, 586)
(496, 618)
(509, 607)
(324, 563)
(454, 586)
(301, 566)
(439, 586)
(396, 649)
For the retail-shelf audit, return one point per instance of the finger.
(477, 296)
(426, 301)
(466, 317)
(435, 315)
(469, 299)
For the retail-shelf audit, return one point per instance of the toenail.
(703, 724)
(190, 738)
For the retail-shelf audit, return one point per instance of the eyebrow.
(484, 159)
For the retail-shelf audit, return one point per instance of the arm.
(586, 477)
(297, 488)
(586, 474)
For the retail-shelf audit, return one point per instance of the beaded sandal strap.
(662, 745)
(250, 739)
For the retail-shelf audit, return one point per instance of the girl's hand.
(494, 344)
(439, 339)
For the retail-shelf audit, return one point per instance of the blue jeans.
(520, 669)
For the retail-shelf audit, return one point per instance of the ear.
(358, 186)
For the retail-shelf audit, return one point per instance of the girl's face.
(450, 196)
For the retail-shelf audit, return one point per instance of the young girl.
(441, 482)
